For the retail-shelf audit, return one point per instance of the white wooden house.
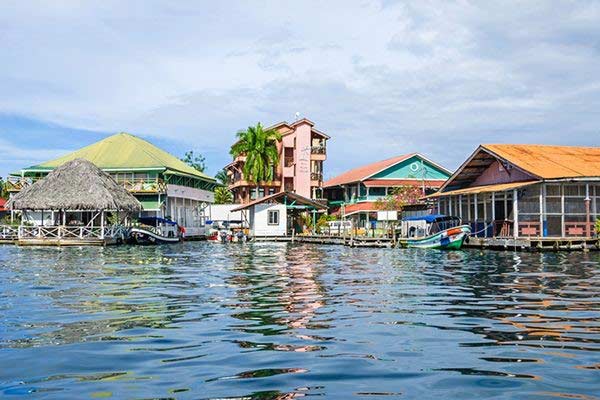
(277, 214)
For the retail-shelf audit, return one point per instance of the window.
(273, 217)
(377, 191)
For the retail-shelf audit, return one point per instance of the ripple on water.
(281, 321)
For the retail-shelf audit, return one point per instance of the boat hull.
(146, 237)
(449, 239)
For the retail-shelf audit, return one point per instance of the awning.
(350, 209)
(403, 182)
(501, 187)
(289, 198)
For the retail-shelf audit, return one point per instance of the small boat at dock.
(154, 230)
(434, 231)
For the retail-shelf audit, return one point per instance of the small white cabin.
(277, 214)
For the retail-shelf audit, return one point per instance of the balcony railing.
(141, 185)
(17, 183)
(288, 161)
(316, 176)
(318, 150)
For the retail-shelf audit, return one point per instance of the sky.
(382, 78)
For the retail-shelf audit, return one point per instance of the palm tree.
(222, 177)
(223, 195)
(260, 148)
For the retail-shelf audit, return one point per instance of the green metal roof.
(125, 152)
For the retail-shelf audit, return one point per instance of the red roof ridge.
(365, 171)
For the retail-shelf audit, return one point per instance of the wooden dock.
(358, 241)
(535, 244)
(520, 244)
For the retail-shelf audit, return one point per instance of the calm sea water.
(280, 321)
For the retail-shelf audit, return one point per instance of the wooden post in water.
(516, 213)
(587, 200)
(102, 225)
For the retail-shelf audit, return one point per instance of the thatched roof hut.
(75, 185)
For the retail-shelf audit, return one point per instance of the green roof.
(125, 152)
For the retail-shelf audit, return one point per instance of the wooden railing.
(8, 232)
(141, 185)
(318, 150)
(316, 176)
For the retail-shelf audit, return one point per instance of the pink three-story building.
(302, 152)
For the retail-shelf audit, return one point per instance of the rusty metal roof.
(500, 187)
(550, 162)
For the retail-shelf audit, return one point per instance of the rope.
(483, 230)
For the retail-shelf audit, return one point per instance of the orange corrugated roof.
(550, 162)
(360, 173)
(482, 189)
(369, 206)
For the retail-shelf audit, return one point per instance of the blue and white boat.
(155, 230)
(434, 231)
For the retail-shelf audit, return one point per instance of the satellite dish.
(297, 115)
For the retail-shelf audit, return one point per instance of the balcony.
(318, 153)
(17, 183)
(288, 161)
(141, 185)
(236, 183)
(316, 176)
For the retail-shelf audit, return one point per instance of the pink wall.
(496, 173)
(302, 156)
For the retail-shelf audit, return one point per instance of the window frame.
(271, 213)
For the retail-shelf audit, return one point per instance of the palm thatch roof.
(75, 185)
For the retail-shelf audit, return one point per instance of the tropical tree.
(401, 196)
(195, 161)
(223, 195)
(260, 148)
(3, 189)
(222, 177)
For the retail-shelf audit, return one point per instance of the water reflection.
(280, 321)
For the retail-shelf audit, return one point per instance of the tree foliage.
(222, 177)
(3, 189)
(260, 148)
(223, 195)
(195, 161)
(400, 197)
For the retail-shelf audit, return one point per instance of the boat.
(434, 231)
(155, 230)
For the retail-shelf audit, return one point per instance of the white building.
(277, 214)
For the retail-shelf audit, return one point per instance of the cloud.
(381, 78)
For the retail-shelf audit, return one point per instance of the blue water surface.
(282, 321)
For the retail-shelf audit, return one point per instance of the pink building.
(302, 152)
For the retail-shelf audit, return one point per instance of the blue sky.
(382, 78)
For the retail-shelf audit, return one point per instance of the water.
(280, 321)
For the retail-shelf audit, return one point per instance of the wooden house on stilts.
(75, 204)
(539, 193)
